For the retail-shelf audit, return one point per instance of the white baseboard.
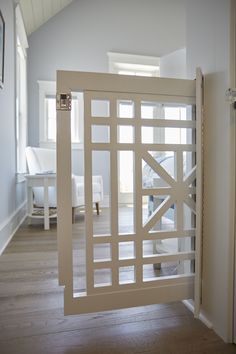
(202, 317)
(10, 226)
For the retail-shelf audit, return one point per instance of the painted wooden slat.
(37, 9)
(138, 194)
(161, 281)
(157, 191)
(162, 235)
(125, 299)
(114, 196)
(169, 257)
(88, 194)
(48, 10)
(164, 191)
(27, 12)
(147, 147)
(106, 146)
(158, 168)
(169, 123)
(199, 177)
(153, 235)
(37, 12)
(158, 258)
(179, 168)
(169, 147)
(153, 98)
(162, 123)
(191, 203)
(121, 238)
(81, 81)
(191, 176)
(158, 213)
(64, 199)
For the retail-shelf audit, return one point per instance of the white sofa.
(40, 160)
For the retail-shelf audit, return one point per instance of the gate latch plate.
(64, 101)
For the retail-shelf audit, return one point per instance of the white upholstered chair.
(40, 160)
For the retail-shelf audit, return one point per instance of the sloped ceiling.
(36, 12)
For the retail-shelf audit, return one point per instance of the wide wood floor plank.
(31, 309)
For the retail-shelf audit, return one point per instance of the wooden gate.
(171, 133)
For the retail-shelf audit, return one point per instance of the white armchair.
(40, 160)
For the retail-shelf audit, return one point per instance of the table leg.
(30, 203)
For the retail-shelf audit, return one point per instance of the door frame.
(232, 255)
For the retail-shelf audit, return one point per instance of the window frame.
(132, 62)
(124, 64)
(21, 112)
(47, 89)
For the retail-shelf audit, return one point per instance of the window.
(138, 65)
(47, 115)
(130, 64)
(21, 96)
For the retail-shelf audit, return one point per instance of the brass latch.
(64, 101)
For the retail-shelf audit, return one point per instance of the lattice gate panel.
(163, 205)
(180, 191)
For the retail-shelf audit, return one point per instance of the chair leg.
(73, 215)
(97, 208)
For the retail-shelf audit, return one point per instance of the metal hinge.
(64, 101)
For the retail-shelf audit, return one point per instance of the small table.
(45, 181)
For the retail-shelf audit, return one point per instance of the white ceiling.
(36, 12)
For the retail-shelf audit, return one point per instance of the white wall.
(79, 38)
(208, 38)
(12, 194)
(174, 64)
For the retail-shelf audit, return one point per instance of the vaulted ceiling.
(36, 12)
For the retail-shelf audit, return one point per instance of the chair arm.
(75, 180)
(99, 179)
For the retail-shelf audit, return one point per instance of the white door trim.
(232, 216)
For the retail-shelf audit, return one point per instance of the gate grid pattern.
(178, 190)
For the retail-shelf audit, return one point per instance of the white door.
(157, 258)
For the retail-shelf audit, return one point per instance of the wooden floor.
(32, 321)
